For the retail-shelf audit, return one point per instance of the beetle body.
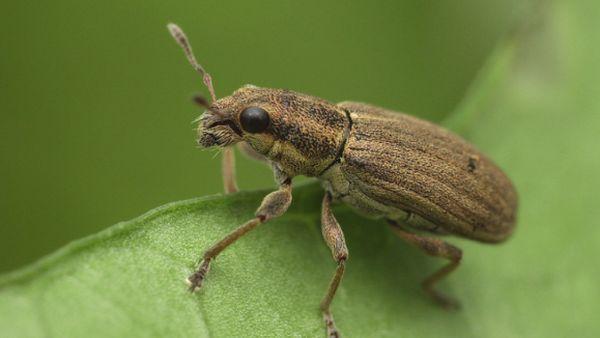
(415, 172)
(382, 163)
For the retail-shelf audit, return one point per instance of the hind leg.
(438, 248)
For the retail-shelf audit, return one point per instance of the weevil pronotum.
(419, 177)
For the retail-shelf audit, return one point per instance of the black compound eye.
(254, 120)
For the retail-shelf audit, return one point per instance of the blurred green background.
(95, 96)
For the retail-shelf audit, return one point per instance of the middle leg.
(334, 237)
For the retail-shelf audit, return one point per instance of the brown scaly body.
(412, 173)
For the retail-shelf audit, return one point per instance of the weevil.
(420, 178)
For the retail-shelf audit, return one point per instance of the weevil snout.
(217, 129)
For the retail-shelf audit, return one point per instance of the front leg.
(227, 158)
(228, 170)
(273, 205)
(334, 237)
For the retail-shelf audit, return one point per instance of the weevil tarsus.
(228, 159)
(437, 248)
(334, 237)
(273, 205)
(196, 279)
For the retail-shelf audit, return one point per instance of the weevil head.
(302, 134)
(299, 133)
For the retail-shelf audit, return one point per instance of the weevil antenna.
(201, 101)
(183, 41)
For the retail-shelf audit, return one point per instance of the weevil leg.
(273, 205)
(228, 170)
(228, 157)
(334, 237)
(438, 248)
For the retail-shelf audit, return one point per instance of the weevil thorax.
(302, 134)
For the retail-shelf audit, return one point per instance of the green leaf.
(129, 280)
(538, 118)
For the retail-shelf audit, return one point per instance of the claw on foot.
(332, 331)
(446, 302)
(195, 280)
